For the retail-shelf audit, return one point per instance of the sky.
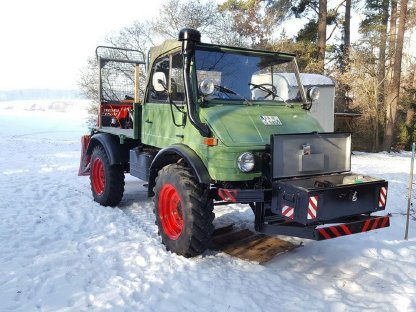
(45, 43)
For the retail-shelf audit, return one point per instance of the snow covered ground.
(60, 251)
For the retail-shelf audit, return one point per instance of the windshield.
(249, 76)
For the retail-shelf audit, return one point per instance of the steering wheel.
(262, 87)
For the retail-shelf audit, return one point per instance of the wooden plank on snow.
(247, 245)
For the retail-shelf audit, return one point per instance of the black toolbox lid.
(306, 154)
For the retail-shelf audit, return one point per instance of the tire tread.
(200, 208)
(113, 195)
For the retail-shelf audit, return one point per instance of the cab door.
(164, 108)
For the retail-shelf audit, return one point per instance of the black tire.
(187, 232)
(107, 181)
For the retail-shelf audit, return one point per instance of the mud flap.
(84, 168)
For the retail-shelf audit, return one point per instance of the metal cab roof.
(173, 44)
(164, 48)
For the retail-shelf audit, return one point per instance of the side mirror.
(313, 93)
(159, 82)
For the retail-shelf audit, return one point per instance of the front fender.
(171, 155)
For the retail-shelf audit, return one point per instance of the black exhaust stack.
(189, 38)
(189, 34)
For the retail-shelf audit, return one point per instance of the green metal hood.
(242, 125)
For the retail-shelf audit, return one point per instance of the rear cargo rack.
(119, 77)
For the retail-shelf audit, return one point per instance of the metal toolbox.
(306, 154)
(312, 182)
(319, 199)
(140, 164)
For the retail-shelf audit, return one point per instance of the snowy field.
(60, 251)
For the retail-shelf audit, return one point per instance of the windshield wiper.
(272, 91)
(229, 91)
(224, 89)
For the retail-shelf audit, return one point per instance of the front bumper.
(277, 224)
(364, 224)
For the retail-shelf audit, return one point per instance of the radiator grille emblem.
(271, 120)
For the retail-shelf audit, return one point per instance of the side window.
(177, 87)
(161, 66)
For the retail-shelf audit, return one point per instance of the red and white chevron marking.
(312, 207)
(288, 212)
(383, 196)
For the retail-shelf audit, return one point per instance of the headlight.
(245, 162)
(314, 93)
(206, 86)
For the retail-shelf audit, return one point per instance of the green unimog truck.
(210, 125)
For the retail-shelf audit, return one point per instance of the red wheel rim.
(170, 211)
(98, 176)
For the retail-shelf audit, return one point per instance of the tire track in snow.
(139, 208)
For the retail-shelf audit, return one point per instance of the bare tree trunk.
(322, 33)
(393, 95)
(410, 114)
(347, 32)
(375, 146)
(392, 49)
(392, 32)
(381, 68)
(414, 83)
(342, 90)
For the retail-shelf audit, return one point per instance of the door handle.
(149, 121)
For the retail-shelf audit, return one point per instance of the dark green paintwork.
(238, 129)
(240, 125)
